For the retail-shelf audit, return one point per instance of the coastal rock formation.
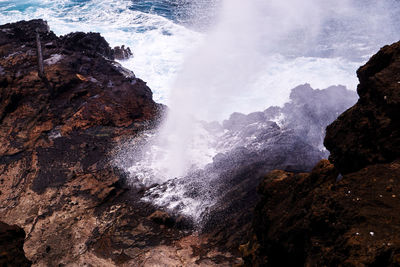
(122, 53)
(345, 213)
(58, 133)
(369, 132)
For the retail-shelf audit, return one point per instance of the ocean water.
(206, 59)
(153, 29)
(325, 49)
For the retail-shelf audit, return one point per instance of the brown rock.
(360, 136)
(57, 136)
(311, 220)
(162, 217)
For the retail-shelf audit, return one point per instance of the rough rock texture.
(369, 132)
(324, 218)
(312, 220)
(122, 53)
(11, 243)
(57, 133)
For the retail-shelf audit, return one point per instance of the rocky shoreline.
(67, 205)
(57, 134)
(345, 213)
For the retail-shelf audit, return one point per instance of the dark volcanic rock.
(369, 132)
(57, 135)
(90, 44)
(11, 246)
(122, 53)
(325, 218)
(312, 220)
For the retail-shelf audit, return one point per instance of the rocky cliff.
(346, 213)
(369, 132)
(58, 126)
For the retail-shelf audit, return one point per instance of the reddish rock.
(58, 133)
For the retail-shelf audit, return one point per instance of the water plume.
(248, 61)
(238, 58)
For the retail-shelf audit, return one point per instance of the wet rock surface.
(57, 183)
(122, 52)
(223, 194)
(57, 133)
(345, 213)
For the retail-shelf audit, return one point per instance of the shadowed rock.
(369, 132)
(324, 218)
(122, 53)
(11, 246)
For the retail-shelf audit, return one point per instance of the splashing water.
(206, 59)
(249, 61)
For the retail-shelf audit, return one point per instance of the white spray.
(239, 60)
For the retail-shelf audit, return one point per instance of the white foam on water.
(158, 44)
(248, 61)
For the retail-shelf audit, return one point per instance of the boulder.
(122, 53)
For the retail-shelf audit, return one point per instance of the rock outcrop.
(369, 132)
(345, 213)
(122, 52)
(58, 132)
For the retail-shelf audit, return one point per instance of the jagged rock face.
(92, 43)
(57, 136)
(325, 218)
(313, 220)
(11, 243)
(369, 132)
(122, 53)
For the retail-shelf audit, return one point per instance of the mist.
(255, 54)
